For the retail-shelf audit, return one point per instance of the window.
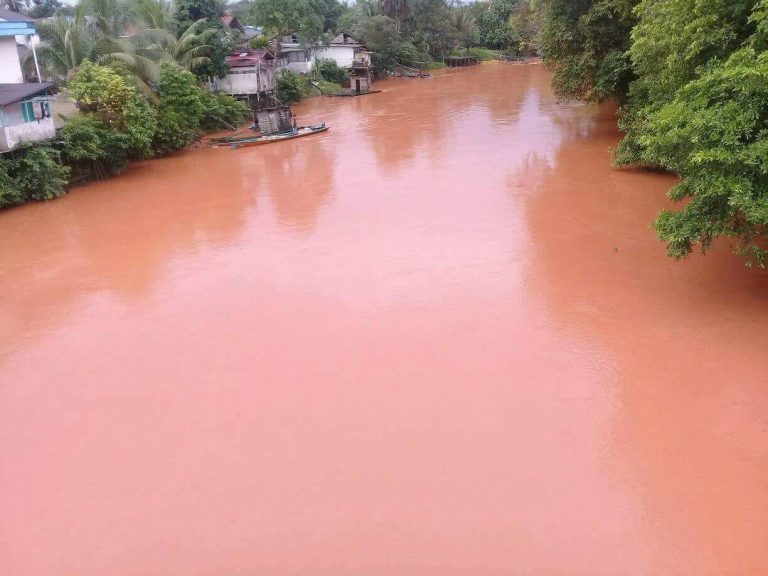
(28, 111)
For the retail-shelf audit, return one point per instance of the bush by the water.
(221, 111)
(291, 87)
(328, 70)
(117, 124)
(179, 109)
(34, 173)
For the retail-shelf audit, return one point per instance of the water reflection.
(689, 439)
(299, 179)
(115, 237)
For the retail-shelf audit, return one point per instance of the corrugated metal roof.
(249, 57)
(10, 93)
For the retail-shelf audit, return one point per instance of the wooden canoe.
(280, 137)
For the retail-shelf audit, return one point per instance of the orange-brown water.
(439, 339)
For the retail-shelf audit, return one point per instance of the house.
(344, 50)
(252, 32)
(24, 106)
(231, 22)
(298, 58)
(360, 73)
(251, 77)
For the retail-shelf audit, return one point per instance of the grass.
(481, 54)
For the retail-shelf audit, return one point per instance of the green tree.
(187, 12)
(69, 40)
(380, 34)
(190, 50)
(180, 108)
(44, 8)
(153, 14)
(289, 87)
(586, 43)
(117, 105)
(291, 16)
(37, 173)
(494, 24)
(710, 126)
(465, 27)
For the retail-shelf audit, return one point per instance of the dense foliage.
(330, 71)
(692, 76)
(586, 42)
(290, 87)
(117, 124)
(179, 111)
(35, 173)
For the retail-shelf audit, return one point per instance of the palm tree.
(65, 42)
(68, 40)
(107, 17)
(154, 14)
(190, 50)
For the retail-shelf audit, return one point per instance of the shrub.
(221, 111)
(290, 87)
(100, 89)
(118, 107)
(259, 42)
(93, 150)
(329, 71)
(37, 174)
(10, 193)
(179, 110)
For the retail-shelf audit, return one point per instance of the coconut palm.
(190, 50)
(107, 17)
(68, 40)
(153, 14)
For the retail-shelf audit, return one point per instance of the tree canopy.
(691, 76)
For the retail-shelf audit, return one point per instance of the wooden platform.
(353, 94)
(458, 61)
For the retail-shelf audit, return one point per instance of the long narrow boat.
(279, 137)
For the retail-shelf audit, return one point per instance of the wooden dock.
(459, 61)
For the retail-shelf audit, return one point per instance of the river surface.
(439, 339)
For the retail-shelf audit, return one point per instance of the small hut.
(275, 120)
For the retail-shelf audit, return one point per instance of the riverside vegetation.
(692, 80)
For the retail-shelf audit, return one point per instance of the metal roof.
(10, 93)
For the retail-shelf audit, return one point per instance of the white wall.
(248, 83)
(343, 55)
(12, 136)
(10, 67)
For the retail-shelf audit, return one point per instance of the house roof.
(249, 57)
(344, 39)
(231, 21)
(10, 93)
(9, 16)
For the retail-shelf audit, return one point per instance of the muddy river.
(439, 339)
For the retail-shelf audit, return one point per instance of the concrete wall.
(300, 61)
(10, 67)
(246, 81)
(343, 55)
(12, 136)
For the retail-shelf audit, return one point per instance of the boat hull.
(271, 139)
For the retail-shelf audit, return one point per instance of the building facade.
(25, 114)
